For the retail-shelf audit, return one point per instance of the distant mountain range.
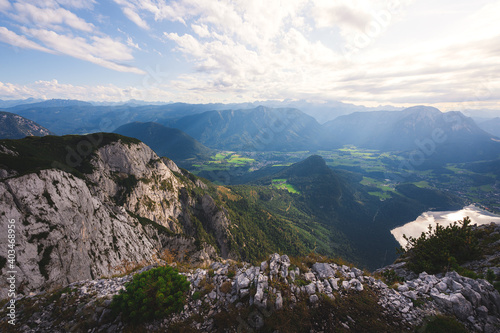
(77, 117)
(419, 130)
(13, 126)
(13, 102)
(325, 111)
(322, 111)
(52, 103)
(165, 141)
(256, 129)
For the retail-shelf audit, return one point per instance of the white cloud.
(130, 42)
(16, 40)
(253, 50)
(256, 56)
(80, 39)
(102, 51)
(262, 52)
(4, 5)
(77, 4)
(106, 92)
(200, 30)
(27, 13)
(134, 17)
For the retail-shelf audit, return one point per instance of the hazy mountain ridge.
(51, 103)
(398, 131)
(258, 129)
(491, 126)
(322, 111)
(8, 103)
(447, 137)
(76, 117)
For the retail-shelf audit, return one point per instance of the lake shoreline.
(421, 223)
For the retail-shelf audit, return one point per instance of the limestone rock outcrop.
(129, 208)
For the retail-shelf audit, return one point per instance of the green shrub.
(151, 295)
(443, 248)
(196, 296)
(301, 283)
(490, 276)
(464, 271)
(391, 277)
(443, 324)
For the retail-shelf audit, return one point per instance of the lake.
(444, 218)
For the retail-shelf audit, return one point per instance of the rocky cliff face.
(65, 234)
(130, 207)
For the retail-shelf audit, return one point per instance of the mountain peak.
(313, 165)
(422, 108)
(422, 112)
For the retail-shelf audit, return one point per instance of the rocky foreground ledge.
(229, 297)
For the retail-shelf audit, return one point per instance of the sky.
(443, 53)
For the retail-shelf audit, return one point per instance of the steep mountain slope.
(450, 136)
(166, 141)
(13, 126)
(258, 129)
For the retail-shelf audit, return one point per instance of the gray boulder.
(323, 270)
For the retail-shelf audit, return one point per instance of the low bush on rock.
(442, 324)
(151, 295)
(442, 248)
